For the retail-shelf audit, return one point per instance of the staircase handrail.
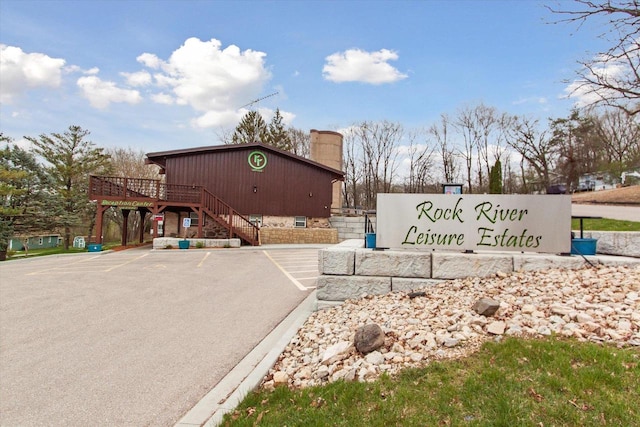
(224, 214)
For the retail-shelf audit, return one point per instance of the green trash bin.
(183, 244)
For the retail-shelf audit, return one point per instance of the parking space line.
(289, 276)
(203, 259)
(47, 270)
(125, 263)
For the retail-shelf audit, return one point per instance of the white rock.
(496, 328)
(561, 310)
(624, 325)
(416, 357)
(322, 372)
(528, 308)
(280, 377)
(544, 330)
(335, 352)
(375, 358)
(584, 318)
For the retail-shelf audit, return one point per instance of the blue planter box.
(370, 240)
(583, 246)
(183, 244)
(94, 247)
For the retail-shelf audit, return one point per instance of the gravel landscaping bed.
(599, 304)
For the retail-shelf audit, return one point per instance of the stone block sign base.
(348, 270)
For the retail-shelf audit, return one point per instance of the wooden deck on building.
(155, 197)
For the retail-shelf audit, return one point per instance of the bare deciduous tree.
(352, 168)
(130, 163)
(611, 77)
(466, 125)
(300, 141)
(535, 146)
(620, 135)
(578, 146)
(371, 154)
(440, 131)
(420, 158)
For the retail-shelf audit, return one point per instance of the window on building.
(256, 220)
(194, 219)
(300, 222)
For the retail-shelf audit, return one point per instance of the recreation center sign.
(523, 223)
(127, 204)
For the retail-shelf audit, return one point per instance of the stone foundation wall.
(165, 242)
(349, 271)
(625, 243)
(349, 227)
(280, 235)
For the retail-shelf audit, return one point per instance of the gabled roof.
(159, 158)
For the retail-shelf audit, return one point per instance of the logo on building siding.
(257, 160)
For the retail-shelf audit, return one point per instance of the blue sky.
(161, 75)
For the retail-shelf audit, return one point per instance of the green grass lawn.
(605, 224)
(57, 250)
(517, 382)
(46, 251)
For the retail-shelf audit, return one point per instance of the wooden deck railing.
(121, 188)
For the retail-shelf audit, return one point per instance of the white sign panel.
(186, 222)
(523, 223)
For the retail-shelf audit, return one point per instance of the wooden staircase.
(161, 196)
(225, 216)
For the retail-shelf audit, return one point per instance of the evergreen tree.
(71, 158)
(277, 135)
(495, 178)
(252, 128)
(27, 203)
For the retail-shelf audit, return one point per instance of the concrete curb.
(248, 374)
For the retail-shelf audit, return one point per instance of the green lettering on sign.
(127, 204)
(257, 160)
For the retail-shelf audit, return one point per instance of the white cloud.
(101, 93)
(150, 60)
(287, 117)
(210, 79)
(162, 98)
(20, 71)
(355, 65)
(606, 69)
(141, 78)
(217, 118)
(530, 100)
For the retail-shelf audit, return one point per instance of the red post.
(125, 226)
(99, 216)
(143, 215)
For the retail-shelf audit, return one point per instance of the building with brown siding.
(253, 178)
(227, 189)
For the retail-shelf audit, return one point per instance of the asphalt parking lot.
(137, 337)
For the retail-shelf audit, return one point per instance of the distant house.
(596, 181)
(34, 242)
